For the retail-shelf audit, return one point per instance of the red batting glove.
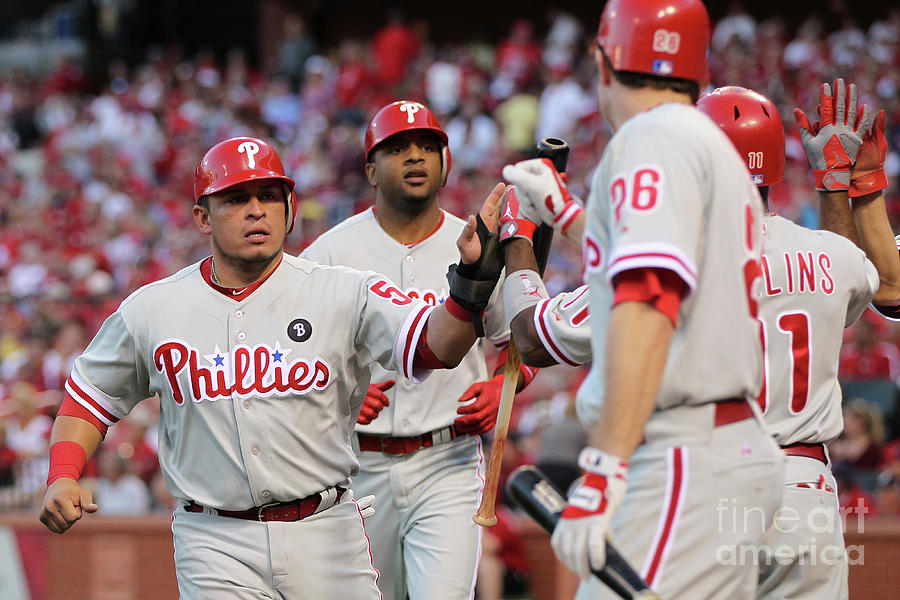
(480, 415)
(375, 401)
(832, 143)
(867, 175)
(514, 223)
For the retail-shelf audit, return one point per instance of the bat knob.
(485, 521)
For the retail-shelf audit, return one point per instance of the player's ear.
(201, 218)
(370, 174)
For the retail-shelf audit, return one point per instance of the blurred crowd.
(96, 188)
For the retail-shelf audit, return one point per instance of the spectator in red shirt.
(395, 47)
(519, 55)
(859, 445)
(865, 356)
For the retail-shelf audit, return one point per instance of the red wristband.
(457, 311)
(67, 459)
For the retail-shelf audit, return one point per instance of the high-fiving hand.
(832, 143)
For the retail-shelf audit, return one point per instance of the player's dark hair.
(643, 80)
(764, 194)
(203, 201)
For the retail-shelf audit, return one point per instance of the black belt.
(295, 510)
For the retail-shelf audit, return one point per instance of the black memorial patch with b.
(299, 330)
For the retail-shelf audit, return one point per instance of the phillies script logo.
(245, 371)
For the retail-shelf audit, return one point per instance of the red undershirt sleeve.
(661, 288)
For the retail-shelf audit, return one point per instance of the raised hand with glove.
(867, 175)
(375, 401)
(479, 416)
(833, 142)
(579, 539)
(516, 220)
(542, 192)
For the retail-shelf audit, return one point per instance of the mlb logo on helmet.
(662, 67)
(759, 179)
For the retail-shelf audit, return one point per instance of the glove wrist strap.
(832, 180)
(868, 183)
(593, 460)
(517, 228)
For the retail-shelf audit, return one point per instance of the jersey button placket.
(241, 336)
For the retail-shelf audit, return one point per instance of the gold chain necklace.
(215, 278)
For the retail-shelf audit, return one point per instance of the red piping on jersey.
(546, 335)
(653, 255)
(87, 399)
(433, 231)
(675, 494)
(573, 300)
(580, 317)
(408, 364)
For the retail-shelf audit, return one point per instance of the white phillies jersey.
(671, 192)
(563, 323)
(258, 397)
(816, 283)
(421, 271)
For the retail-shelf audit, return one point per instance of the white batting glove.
(542, 191)
(579, 539)
(366, 507)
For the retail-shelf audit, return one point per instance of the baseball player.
(672, 255)
(816, 283)
(261, 362)
(419, 447)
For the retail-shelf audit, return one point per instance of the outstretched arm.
(450, 329)
(867, 182)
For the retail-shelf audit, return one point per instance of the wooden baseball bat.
(530, 489)
(557, 150)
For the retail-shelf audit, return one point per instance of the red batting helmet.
(406, 115)
(668, 38)
(752, 122)
(238, 160)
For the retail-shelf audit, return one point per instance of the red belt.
(816, 451)
(731, 411)
(404, 445)
(295, 510)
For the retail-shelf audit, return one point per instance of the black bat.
(530, 489)
(557, 150)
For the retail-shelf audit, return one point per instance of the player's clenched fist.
(375, 401)
(542, 191)
(579, 539)
(64, 503)
(480, 415)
